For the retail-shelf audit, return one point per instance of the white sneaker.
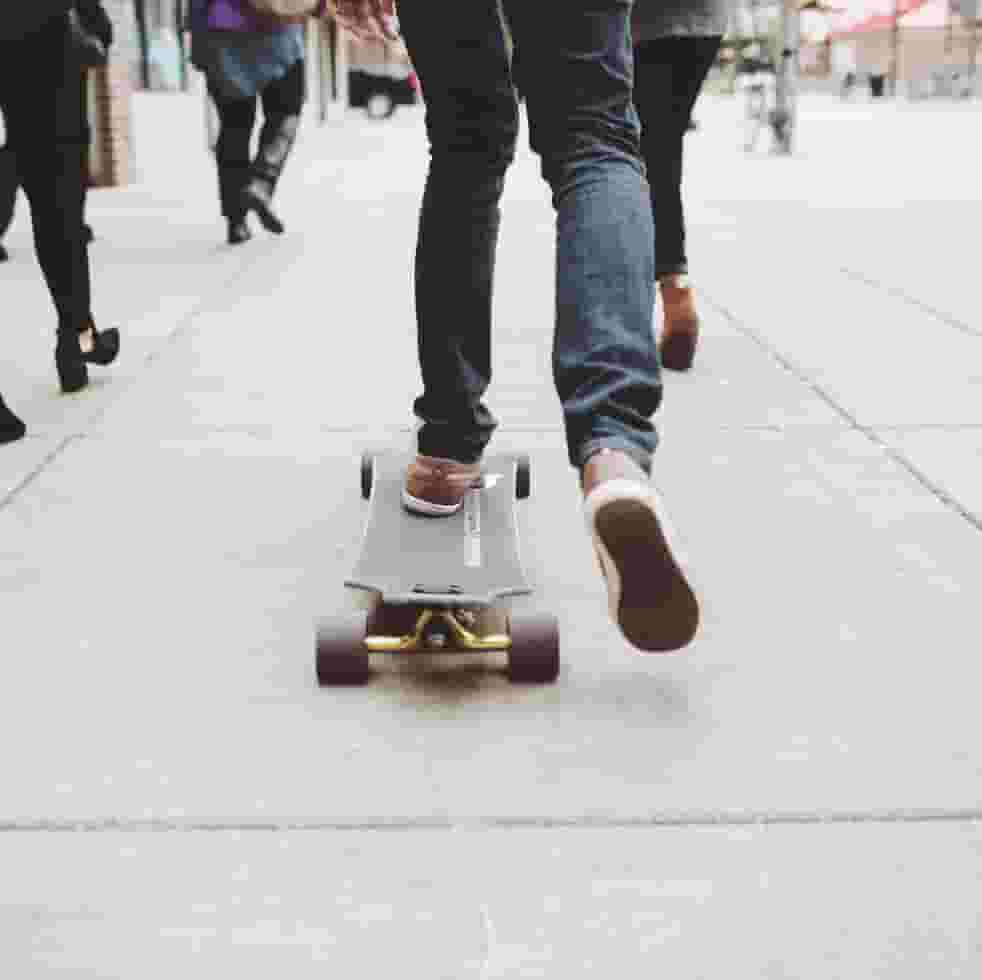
(650, 599)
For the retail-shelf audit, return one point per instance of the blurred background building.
(907, 48)
(920, 48)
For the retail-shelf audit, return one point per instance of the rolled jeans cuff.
(640, 456)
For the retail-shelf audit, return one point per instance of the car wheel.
(380, 105)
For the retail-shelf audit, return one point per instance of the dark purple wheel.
(341, 654)
(367, 474)
(534, 654)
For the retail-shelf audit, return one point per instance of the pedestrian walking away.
(40, 95)
(248, 58)
(675, 45)
(90, 38)
(572, 62)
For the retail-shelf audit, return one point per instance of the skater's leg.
(576, 73)
(459, 52)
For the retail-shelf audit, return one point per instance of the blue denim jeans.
(572, 62)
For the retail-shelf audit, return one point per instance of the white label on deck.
(472, 529)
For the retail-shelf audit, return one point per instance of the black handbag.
(86, 48)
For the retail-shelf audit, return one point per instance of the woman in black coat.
(675, 45)
(40, 96)
(94, 29)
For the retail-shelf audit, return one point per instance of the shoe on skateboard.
(437, 487)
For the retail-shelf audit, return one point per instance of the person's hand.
(370, 20)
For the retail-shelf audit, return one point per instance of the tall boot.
(275, 143)
(231, 180)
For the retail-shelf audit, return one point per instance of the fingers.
(385, 17)
(369, 20)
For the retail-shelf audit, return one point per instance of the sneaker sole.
(651, 601)
(420, 506)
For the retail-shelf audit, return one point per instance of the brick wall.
(111, 155)
(920, 50)
(110, 102)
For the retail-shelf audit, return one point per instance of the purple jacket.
(238, 15)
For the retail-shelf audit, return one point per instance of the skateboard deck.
(438, 582)
(470, 558)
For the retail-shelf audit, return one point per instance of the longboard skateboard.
(434, 581)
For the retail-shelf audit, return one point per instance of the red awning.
(880, 22)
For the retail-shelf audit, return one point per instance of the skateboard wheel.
(523, 478)
(534, 654)
(341, 654)
(367, 474)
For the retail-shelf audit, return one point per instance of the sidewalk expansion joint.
(898, 293)
(696, 819)
(40, 467)
(868, 432)
(181, 328)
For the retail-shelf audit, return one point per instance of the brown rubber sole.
(658, 611)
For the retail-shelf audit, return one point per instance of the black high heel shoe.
(72, 362)
(258, 197)
(11, 427)
(238, 231)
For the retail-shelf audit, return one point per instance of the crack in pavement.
(898, 293)
(722, 818)
(181, 328)
(871, 434)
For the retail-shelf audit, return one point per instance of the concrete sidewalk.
(797, 796)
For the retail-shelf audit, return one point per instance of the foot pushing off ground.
(650, 599)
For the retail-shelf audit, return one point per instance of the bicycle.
(760, 110)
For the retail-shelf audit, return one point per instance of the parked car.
(380, 91)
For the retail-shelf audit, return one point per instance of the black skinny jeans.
(237, 118)
(668, 73)
(40, 94)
